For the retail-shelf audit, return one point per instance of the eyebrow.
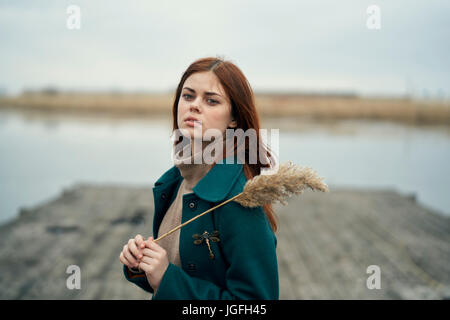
(206, 93)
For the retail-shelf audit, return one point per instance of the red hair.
(243, 110)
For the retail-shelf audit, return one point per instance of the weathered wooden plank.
(325, 244)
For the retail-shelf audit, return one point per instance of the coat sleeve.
(249, 247)
(138, 279)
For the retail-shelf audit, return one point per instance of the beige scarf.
(192, 173)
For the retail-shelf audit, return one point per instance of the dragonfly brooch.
(207, 237)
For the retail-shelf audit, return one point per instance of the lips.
(191, 121)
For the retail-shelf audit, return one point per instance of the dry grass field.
(318, 107)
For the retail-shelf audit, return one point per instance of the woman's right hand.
(132, 252)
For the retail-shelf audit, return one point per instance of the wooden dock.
(326, 242)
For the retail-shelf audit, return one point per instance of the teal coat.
(245, 261)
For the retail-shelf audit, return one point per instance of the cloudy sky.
(280, 45)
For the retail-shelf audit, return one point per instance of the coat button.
(192, 205)
(163, 196)
(191, 267)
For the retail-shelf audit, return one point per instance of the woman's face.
(204, 99)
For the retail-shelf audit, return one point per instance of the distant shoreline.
(270, 105)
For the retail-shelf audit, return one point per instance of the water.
(41, 154)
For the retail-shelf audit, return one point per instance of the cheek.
(218, 119)
(182, 109)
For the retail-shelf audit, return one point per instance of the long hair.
(243, 110)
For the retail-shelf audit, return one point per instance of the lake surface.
(41, 154)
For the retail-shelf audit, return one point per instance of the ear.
(232, 124)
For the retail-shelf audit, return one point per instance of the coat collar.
(214, 186)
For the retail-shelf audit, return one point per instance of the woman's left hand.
(154, 262)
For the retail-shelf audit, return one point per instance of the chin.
(188, 132)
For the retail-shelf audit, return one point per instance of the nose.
(194, 107)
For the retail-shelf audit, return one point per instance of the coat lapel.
(218, 182)
(213, 187)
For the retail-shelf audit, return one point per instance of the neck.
(191, 162)
(191, 151)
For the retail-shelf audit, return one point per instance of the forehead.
(204, 82)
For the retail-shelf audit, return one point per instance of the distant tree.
(50, 91)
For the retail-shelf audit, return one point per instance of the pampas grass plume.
(290, 179)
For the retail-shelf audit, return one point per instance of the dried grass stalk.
(289, 180)
(263, 189)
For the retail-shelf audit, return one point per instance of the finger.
(147, 243)
(134, 250)
(154, 246)
(150, 242)
(130, 257)
(145, 267)
(124, 260)
(140, 241)
(148, 260)
(150, 253)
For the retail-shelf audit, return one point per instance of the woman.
(229, 253)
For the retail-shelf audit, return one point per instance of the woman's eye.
(188, 96)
